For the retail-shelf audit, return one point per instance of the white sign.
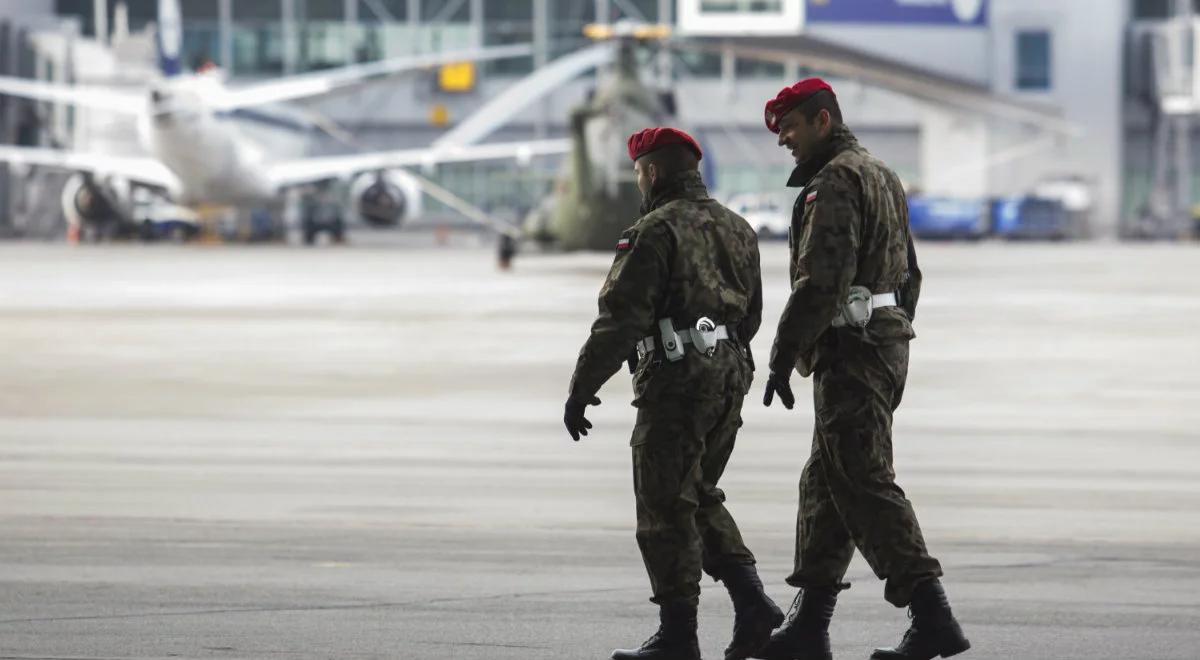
(701, 17)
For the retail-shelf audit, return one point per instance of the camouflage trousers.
(680, 448)
(848, 493)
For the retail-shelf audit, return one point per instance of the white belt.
(856, 311)
(686, 336)
(883, 300)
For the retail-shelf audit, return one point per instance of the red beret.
(650, 139)
(790, 97)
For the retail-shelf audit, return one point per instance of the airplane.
(196, 157)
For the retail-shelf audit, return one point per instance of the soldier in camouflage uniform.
(850, 233)
(689, 263)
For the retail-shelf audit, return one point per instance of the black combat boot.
(933, 632)
(755, 615)
(805, 632)
(675, 639)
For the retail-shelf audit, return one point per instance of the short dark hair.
(822, 100)
(672, 159)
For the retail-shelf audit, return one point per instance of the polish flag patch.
(624, 244)
(811, 196)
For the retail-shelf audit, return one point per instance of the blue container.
(943, 217)
(1031, 218)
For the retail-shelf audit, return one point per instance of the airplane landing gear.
(323, 218)
(506, 249)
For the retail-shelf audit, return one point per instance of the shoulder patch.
(626, 241)
(810, 197)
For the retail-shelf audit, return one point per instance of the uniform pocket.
(889, 325)
(664, 423)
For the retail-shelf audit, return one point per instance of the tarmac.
(218, 452)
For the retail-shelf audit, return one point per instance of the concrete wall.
(950, 50)
(1086, 83)
(1087, 61)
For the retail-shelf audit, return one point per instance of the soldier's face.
(800, 136)
(646, 174)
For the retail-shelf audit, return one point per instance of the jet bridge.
(1165, 77)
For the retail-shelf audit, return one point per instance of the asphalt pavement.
(358, 453)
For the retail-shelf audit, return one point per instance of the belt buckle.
(705, 327)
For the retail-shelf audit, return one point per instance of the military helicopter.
(595, 195)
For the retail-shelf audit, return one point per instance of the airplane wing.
(917, 82)
(330, 80)
(143, 170)
(102, 98)
(306, 170)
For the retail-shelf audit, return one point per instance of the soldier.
(848, 323)
(685, 293)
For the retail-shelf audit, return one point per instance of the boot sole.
(799, 657)
(945, 652)
(955, 650)
(628, 652)
(774, 622)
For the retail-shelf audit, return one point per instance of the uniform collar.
(683, 185)
(840, 139)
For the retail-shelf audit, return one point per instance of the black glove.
(577, 424)
(780, 383)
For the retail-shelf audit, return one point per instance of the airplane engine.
(86, 203)
(385, 200)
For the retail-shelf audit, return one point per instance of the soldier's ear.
(824, 121)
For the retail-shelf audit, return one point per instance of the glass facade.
(324, 39)
(258, 45)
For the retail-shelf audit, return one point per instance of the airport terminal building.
(1086, 62)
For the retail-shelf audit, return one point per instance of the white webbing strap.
(686, 336)
(883, 300)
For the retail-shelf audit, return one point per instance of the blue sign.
(971, 13)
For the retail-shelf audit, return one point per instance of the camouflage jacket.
(687, 257)
(849, 227)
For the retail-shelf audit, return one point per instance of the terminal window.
(1149, 9)
(741, 6)
(1144, 10)
(1033, 60)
